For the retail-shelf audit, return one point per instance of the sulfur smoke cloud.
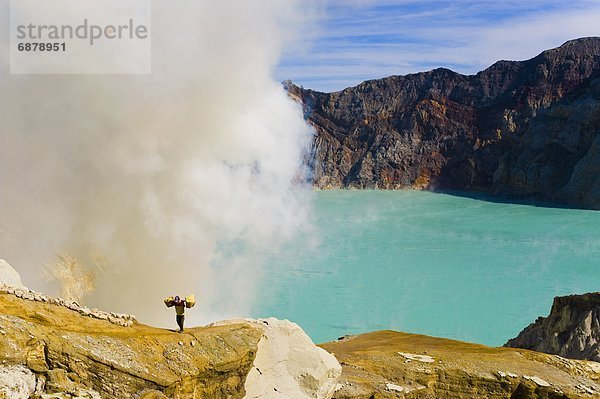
(176, 182)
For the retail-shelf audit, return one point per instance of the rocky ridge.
(389, 364)
(54, 349)
(572, 329)
(49, 351)
(120, 319)
(62, 354)
(522, 129)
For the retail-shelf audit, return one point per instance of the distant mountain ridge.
(521, 129)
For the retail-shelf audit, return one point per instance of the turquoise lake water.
(429, 263)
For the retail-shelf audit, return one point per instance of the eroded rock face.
(525, 129)
(558, 157)
(75, 355)
(571, 330)
(389, 364)
(9, 276)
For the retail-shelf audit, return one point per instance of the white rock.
(418, 358)
(397, 388)
(288, 364)
(537, 380)
(593, 366)
(40, 384)
(100, 315)
(585, 389)
(85, 311)
(16, 382)
(9, 276)
(403, 389)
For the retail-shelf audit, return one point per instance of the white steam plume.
(181, 181)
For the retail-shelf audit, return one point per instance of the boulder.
(16, 382)
(9, 276)
(289, 365)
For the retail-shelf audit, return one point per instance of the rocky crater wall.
(528, 130)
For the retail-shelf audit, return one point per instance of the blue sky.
(356, 40)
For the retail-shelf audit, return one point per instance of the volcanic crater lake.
(429, 263)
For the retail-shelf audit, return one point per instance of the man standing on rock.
(180, 305)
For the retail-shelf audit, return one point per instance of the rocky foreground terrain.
(54, 349)
(51, 348)
(389, 364)
(521, 129)
(48, 350)
(571, 330)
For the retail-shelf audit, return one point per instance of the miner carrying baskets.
(180, 305)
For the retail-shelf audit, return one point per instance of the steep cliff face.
(441, 129)
(388, 364)
(571, 330)
(558, 157)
